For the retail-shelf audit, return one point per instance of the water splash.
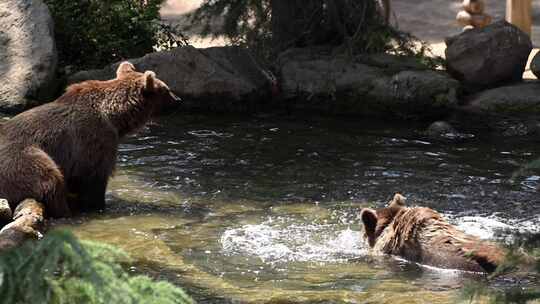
(275, 243)
(280, 240)
(494, 226)
(209, 133)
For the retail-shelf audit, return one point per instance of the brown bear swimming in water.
(70, 145)
(422, 235)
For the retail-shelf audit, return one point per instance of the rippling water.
(265, 209)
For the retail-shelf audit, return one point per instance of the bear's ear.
(149, 81)
(398, 201)
(124, 68)
(369, 219)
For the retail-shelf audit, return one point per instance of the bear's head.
(154, 90)
(375, 221)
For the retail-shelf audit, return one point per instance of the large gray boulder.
(489, 56)
(307, 77)
(377, 85)
(229, 79)
(28, 55)
(522, 99)
(216, 79)
(423, 93)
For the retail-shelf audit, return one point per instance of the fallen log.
(5, 212)
(27, 223)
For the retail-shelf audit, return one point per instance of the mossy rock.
(522, 99)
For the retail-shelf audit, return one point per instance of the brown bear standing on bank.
(70, 145)
(421, 235)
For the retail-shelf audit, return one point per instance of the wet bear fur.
(70, 145)
(422, 235)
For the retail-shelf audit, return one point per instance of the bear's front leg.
(88, 194)
(93, 195)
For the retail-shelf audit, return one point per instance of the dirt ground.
(430, 20)
(433, 20)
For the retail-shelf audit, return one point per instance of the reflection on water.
(265, 210)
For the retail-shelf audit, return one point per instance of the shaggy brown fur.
(421, 235)
(70, 145)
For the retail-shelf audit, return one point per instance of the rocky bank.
(482, 76)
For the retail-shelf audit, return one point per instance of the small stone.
(476, 20)
(440, 129)
(464, 18)
(474, 6)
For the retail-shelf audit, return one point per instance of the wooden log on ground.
(5, 212)
(28, 221)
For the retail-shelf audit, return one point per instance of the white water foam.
(284, 240)
(293, 243)
(494, 226)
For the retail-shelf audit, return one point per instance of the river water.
(265, 209)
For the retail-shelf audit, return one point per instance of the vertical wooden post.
(519, 13)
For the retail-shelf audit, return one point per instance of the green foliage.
(243, 22)
(481, 293)
(169, 37)
(355, 26)
(93, 33)
(235, 17)
(60, 269)
(405, 44)
(521, 267)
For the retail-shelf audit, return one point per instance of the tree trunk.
(297, 23)
(336, 17)
(294, 22)
(5, 213)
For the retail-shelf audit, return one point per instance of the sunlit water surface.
(265, 209)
